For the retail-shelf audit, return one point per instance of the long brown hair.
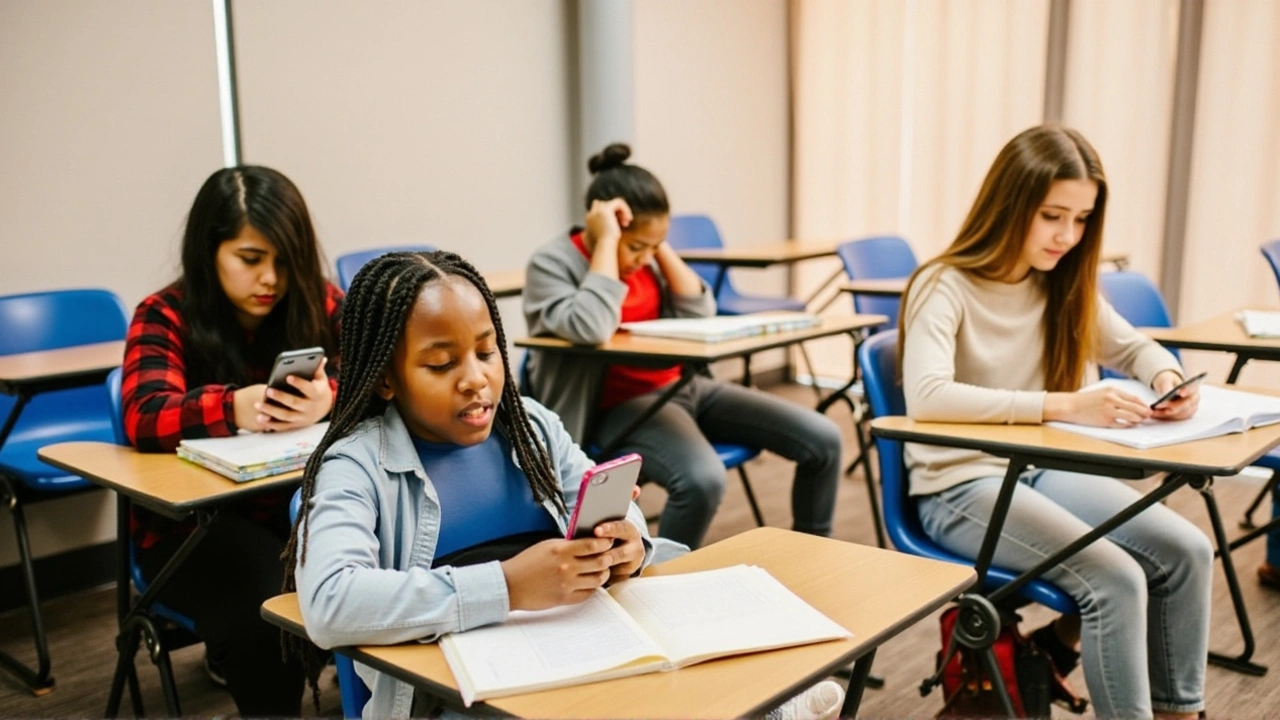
(991, 239)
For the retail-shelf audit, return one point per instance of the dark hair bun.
(614, 155)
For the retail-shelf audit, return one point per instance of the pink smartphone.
(605, 494)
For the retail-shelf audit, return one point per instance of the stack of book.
(254, 455)
(723, 327)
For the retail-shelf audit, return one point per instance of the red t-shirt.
(642, 302)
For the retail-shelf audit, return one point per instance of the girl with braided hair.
(418, 519)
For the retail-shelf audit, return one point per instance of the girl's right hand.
(605, 221)
(556, 572)
(1103, 407)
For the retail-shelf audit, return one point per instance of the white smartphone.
(304, 363)
(605, 494)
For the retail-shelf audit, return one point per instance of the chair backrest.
(878, 360)
(349, 264)
(1271, 251)
(59, 319)
(699, 232)
(1138, 300)
(875, 258)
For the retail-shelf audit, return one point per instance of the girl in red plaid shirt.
(196, 359)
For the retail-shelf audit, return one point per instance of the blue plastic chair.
(878, 358)
(351, 688)
(734, 457)
(690, 232)
(875, 258)
(30, 323)
(349, 264)
(1271, 251)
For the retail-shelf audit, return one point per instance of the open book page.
(593, 640)
(717, 613)
(1221, 411)
(723, 327)
(1260, 323)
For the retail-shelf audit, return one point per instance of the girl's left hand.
(1181, 407)
(627, 553)
(297, 411)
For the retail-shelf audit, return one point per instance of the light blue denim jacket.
(372, 527)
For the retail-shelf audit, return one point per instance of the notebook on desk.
(723, 327)
(1221, 412)
(251, 456)
(1260, 323)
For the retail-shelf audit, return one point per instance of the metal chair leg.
(751, 496)
(38, 681)
(1246, 523)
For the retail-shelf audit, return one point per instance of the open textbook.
(643, 625)
(1260, 323)
(250, 456)
(1221, 411)
(723, 327)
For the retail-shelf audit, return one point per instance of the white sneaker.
(820, 702)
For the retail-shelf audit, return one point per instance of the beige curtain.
(899, 108)
(1119, 93)
(1235, 185)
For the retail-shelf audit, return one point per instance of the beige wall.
(109, 117)
(441, 122)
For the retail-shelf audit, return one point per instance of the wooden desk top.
(1222, 333)
(159, 481)
(874, 593)
(63, 364)
(787, 251)
(1223, 456)
(505, 283)
(625, 346)
(883, 287)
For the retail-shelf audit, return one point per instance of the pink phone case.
(605, 494)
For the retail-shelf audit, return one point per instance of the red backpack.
(1028, 673)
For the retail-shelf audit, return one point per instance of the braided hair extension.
(375, 312)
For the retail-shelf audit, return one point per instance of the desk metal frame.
(39, 680)
(979, 623)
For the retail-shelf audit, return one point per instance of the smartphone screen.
(605, 494)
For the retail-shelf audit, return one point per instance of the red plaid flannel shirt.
(160, 410)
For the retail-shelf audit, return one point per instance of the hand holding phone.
(1176, 390)
(304, 363)
(604, 495)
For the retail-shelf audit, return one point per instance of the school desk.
(1193, 463)
(25, 375)
(873, 593)
(691, 355)
(176, 489)
(505, 283)
(1222, 333)
(786, 252)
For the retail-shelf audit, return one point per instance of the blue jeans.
(1143, 590)
(676, 446)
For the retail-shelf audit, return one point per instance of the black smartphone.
(304, 363)
(1178, 388)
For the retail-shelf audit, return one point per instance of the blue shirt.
(483, 495)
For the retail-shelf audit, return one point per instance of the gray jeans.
(676, 447)
(1143, 590)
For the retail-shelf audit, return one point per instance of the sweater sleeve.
(1123, 348)
(935, 312)
(585, 312)
(159, 409)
